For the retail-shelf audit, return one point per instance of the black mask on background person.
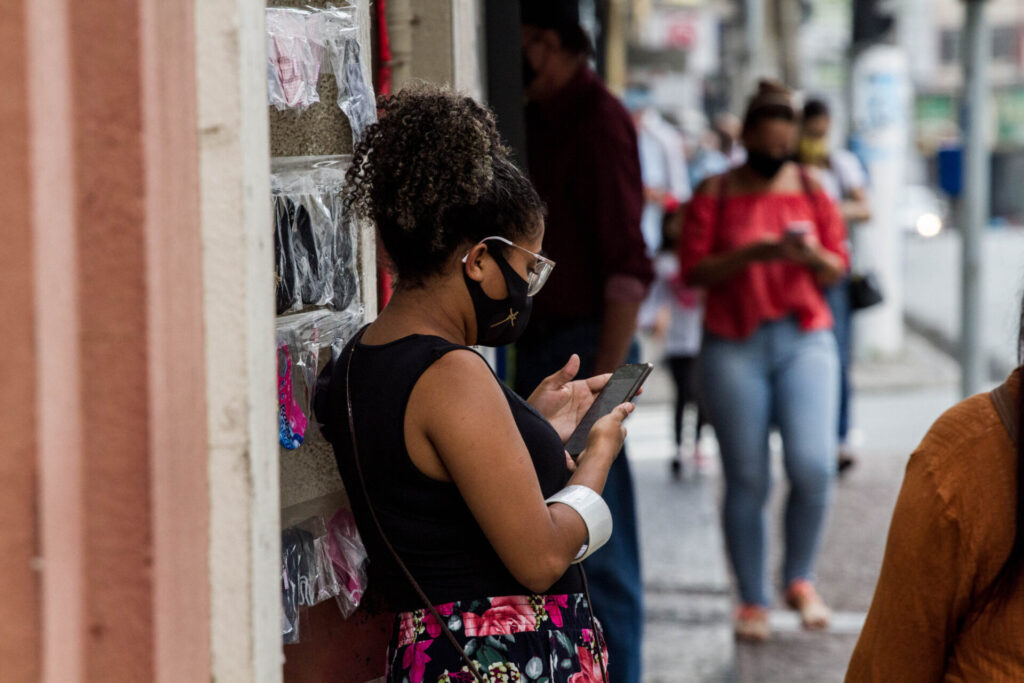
(766, 165)
(500, 321)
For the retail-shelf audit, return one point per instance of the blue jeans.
(838, 298)
(789, 378)
(616, 584)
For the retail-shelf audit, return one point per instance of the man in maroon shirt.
(583, 160)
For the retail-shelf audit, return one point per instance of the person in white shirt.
(662, 165)
(842, 177)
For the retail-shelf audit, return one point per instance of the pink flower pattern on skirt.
(510, 638)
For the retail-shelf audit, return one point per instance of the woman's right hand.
(608, 434)
(764, 249)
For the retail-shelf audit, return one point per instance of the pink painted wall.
(102, 407)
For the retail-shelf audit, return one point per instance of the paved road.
(689, 601)
(933, 289)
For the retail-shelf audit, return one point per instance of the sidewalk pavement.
(687, 583)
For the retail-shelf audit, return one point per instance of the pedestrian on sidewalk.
(841, 175)
(763, 240)
(949, 605)
(583, 160)
(674, 315)
(470, 508)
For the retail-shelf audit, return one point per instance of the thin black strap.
(380, 530)
(1004, 403)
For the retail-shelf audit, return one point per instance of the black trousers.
(683, 370)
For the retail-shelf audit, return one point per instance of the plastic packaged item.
(293, 60)
(348, 555)
(297, 569)
(308, 575)
(314, 238)
(301, 43)
(300, 339)
(336, 31)
(290, 418)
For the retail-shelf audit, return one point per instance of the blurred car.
(921, 211)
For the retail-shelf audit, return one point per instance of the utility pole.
(977, 43)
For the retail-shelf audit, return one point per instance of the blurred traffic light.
(873, 21)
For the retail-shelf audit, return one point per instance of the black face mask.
(500, 321)
(766, 165)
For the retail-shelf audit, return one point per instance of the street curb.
(997, 368)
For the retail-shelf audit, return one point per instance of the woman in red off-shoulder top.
(763, 240)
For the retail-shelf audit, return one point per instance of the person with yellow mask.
(842, 177)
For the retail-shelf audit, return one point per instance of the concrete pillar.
(238, 308)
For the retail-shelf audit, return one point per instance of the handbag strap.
(1004, 402)
(380, 530)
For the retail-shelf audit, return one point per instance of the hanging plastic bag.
(336, 31)
(293, 60)
(348, 554)
(297, 568)
(300, 340)
(314, 238)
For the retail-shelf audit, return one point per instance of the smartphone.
(797, 230)
(622, 386)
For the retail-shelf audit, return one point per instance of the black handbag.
(864, 291)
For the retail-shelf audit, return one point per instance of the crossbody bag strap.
(1004, 403)
(380, 530)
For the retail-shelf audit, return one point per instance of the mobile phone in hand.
(622, 387)
(798, 230)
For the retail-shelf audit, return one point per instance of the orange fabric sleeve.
(924, 588)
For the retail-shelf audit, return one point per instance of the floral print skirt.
(527, 638)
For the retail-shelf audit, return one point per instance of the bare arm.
(855, 207)
(716, 269)
(827, 267)
(459, 420)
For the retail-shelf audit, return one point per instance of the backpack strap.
(1005, 404)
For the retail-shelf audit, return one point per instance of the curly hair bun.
(773, 100)
(425, 173)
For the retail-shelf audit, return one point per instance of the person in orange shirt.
(949, 604)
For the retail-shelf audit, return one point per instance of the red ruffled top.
(763, 291)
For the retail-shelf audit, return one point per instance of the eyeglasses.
(539, 272)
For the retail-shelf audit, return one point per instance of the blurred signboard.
(675, 30)
(1010, 116)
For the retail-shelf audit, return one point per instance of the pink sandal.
(802, 596)
(751, 624)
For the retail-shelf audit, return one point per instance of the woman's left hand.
(563, 401)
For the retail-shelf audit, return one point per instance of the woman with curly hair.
(470, 508)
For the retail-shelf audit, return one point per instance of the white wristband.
(595, 513)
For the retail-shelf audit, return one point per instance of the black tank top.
(426, 520)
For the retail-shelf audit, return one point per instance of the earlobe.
(473, 267)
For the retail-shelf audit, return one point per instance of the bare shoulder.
(710, 186)
(458, 371)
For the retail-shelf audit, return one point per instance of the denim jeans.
(789, 378)
(838, 298)
(613, 572)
